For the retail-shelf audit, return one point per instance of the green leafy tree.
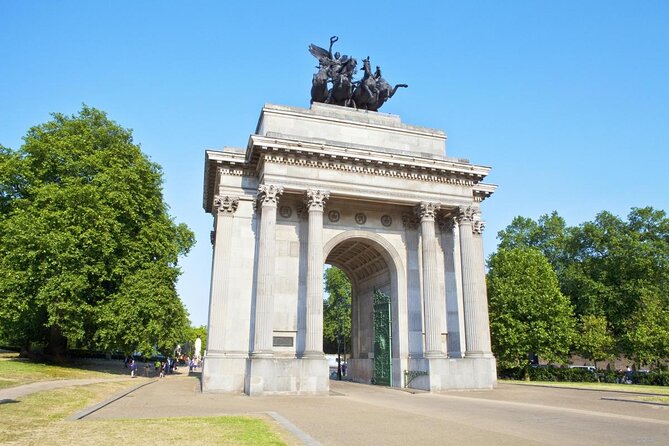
(612, 268)
(645, 336)
(622, 272)
(88, 252)
(594, 341)
(337, 307)
(549, 234)
(528, 313)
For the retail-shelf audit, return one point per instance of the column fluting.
(433, 348)
(268, 196)
(220, 272)
(314, 318)
(477, 329)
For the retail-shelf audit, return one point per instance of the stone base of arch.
(287, 376)
(223, 373)
(445, 374)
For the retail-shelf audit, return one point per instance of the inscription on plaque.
(282, 341)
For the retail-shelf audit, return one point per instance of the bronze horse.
(385, 90)
(319, 86)
(366, 94)
(369, 93)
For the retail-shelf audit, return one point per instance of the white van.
(591, 368)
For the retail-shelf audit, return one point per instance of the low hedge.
(566, 374)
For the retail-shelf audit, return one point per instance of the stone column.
(452, 276)
(482, 302)
(426, 213)
(314, 336)
(477, 329)
(268, 196)
(414, 304)
(220, 272)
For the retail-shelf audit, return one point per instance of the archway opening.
(368, 267)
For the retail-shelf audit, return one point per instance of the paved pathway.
(369, 415)
(13, 393)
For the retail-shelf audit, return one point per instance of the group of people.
(162, 368)
(170, 364)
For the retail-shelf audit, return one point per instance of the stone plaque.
(282, 341)
(360, 218)
(386, 220)
(333, 216)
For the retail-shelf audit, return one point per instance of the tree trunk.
(56, 348)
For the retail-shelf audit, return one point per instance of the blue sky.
(567, 101)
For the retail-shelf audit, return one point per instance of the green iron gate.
(382, 340)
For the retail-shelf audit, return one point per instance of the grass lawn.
(16, 372)
(628, 388)
(40, 418)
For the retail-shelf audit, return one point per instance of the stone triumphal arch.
(380, 200)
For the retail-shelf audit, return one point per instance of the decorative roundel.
(386, 220)
(360, 218)
(285, 211)
(333, 216)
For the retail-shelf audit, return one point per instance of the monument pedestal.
(305, 376)
(443, 374)
(224, 373)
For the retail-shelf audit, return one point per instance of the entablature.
(309, 151)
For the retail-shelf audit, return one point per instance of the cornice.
(302, 149)
(272, 149)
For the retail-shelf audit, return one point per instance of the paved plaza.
(357, 414)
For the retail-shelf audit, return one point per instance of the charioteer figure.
(370, 93)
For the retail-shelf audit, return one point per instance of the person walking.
(133, 367)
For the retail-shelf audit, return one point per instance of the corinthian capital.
(466, 214)
(268, 194)
(316, 199)
(226, 204)
(478, 227)
(426, 210)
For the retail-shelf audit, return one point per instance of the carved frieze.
(360, 218)
(285, 211)
(380, 168)
(386, 220)
(334, 216)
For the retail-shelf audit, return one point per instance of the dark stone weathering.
(333, 82)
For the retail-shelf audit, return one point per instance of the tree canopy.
(88, 251)
(615, 273)
(337, 307)
(528, 313)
